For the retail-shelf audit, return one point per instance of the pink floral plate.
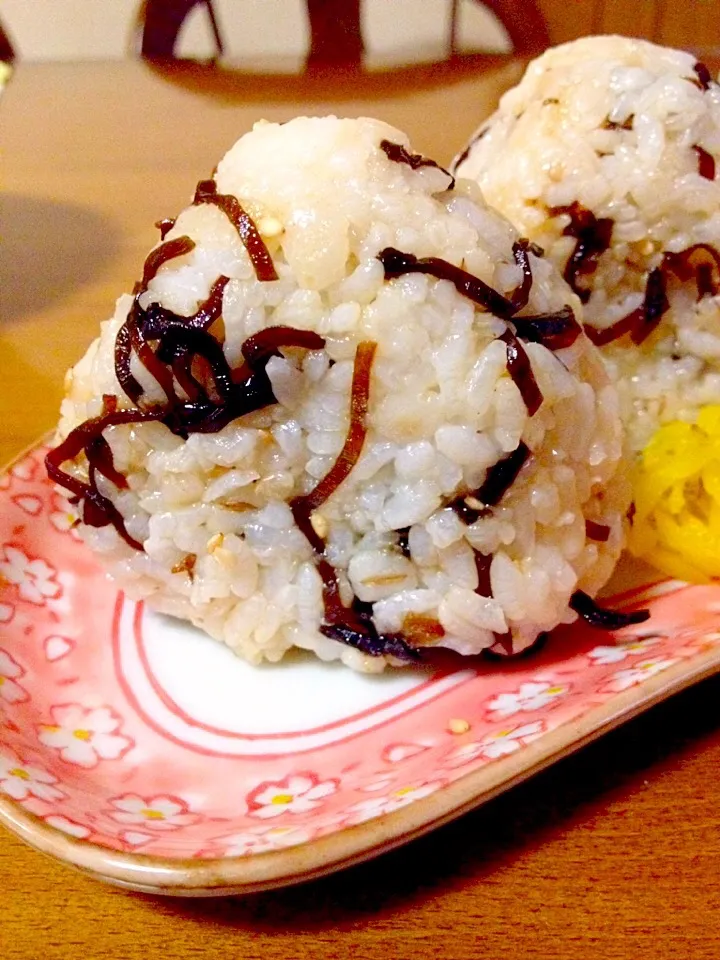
(147, 755)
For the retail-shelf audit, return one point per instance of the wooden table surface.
(613, 853)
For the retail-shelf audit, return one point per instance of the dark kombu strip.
(396, 263)
(552, 330)
(592, 237)
(177, 341)
(399, 154)
(703, 78)
(597, 531)
(603, 618)
(521, 373)
(699, 262)
(351, 625)
(262, 262)
(706, 163)
(500, 477)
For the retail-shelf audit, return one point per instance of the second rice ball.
(605, 154)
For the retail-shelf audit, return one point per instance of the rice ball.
(347, 409)
(605, 155)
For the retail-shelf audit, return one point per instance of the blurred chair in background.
(160, 22)
(379, 33)
(524, 23)
(7, 53)
(335, 32)
(335, 28)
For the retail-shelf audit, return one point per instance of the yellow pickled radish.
(676, 524)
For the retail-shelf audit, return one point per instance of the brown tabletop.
(613, 853)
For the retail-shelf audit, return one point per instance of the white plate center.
(213, 686)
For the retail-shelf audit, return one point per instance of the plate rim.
(348, 845)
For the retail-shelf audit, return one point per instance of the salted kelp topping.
(165, 226)
(503, 641)
(699, 262)
(202, 392)
(304, 506)
(521, 372)
(161, 254)
(134, 334)
(597, 531)
(476, 138)
(396, 263)
(206, 192)
(703, 78)
(641, 321)
(169, 346)
(354, 625)
(100, 459)
(555, 331)
(249, 390)
(500, 477)
(654, 306)
(483, 562)
(403, 541)
(592, 238)
(601, 617)
(552, 330)
(97, 510)
(706, 163)
(521, 294)
(350, 625)
(399, 154)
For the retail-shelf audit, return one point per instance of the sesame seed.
(319, 524)
(269, 227)
(458, 726)
(214, 542)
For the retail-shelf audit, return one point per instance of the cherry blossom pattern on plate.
(21, 781)
(376, 783)
(66, 825)
(10, 671)
(530, 696)
(34, 578)
(621, 651)
(28, 503)
(259, 840)
(24, 469)
(394, 800)
(298, 793)
(705, 641)
(397, 752)
(135, 838)
(56, 647)
(630, 677)
(494, 745)
(155, 813)
(63, 517)
(83, 736)
(7, 612)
